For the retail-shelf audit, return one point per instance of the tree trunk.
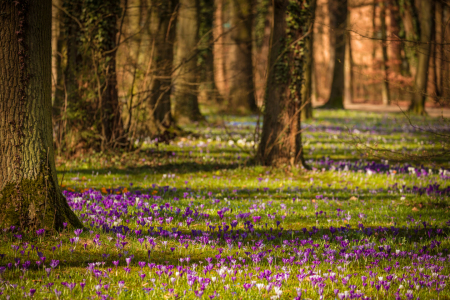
(395, 43)
(348, 67)
(410, 19)
(207, 91)
(261, 44)
(112, 128)
(419, 95)
(437, 52)
(338, 16)
(306, 93)
(445, 73)
(219, 50)
(242, 97)
(281, 134)
(29, 192)
(411, 26)
(162, 38)
(185, 79)
(57, 72)
(71, 128)
(385, 95)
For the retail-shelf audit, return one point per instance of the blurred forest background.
(126, 71)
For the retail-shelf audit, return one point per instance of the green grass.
(211, 170)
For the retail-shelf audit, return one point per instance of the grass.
(155, 219)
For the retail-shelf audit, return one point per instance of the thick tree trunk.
(419, 95)
(338, 16)
(162, 37)
(306, 93)
(241, 97)
(281, 135)
(29, 192)
(185, 79)
(385, 95)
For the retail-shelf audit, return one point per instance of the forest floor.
(196, 219)
(401, 108)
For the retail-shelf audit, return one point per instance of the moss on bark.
(42, 206)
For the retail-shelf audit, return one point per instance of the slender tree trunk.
(218, 50)
(374, 30)
(445, 82)
(385, 95)
(411, 26)
(207, 91)
(112, 128)
(437, 52)
(242, 97)
(348, 67)
(410, 19)
(281, 135)
(395, 44)
(419, 96)
(58, 76)
(29, 192)
(338, 16)
(185, 79)
(162, 37)
(306, 93)
(314, 92)
(261, 37)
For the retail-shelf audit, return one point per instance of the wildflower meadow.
(196, 219)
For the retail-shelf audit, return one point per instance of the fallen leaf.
(414, 209)
(353, 198)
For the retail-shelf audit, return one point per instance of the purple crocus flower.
(54, 263)
(128, 261)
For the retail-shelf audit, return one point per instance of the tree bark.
(261, 44)
(417, 105)
(306, 93)
(281, 134)
(395, 49)
(112, 128)
(445, 73)
(219, 50)
(57, 72)
(162, 38)
(185, 79)
(30, 196)
(348, 67)
(207, 89)
(385, 95)
(437, 52)
(411, 26)
(241, 97)
(338, 16)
